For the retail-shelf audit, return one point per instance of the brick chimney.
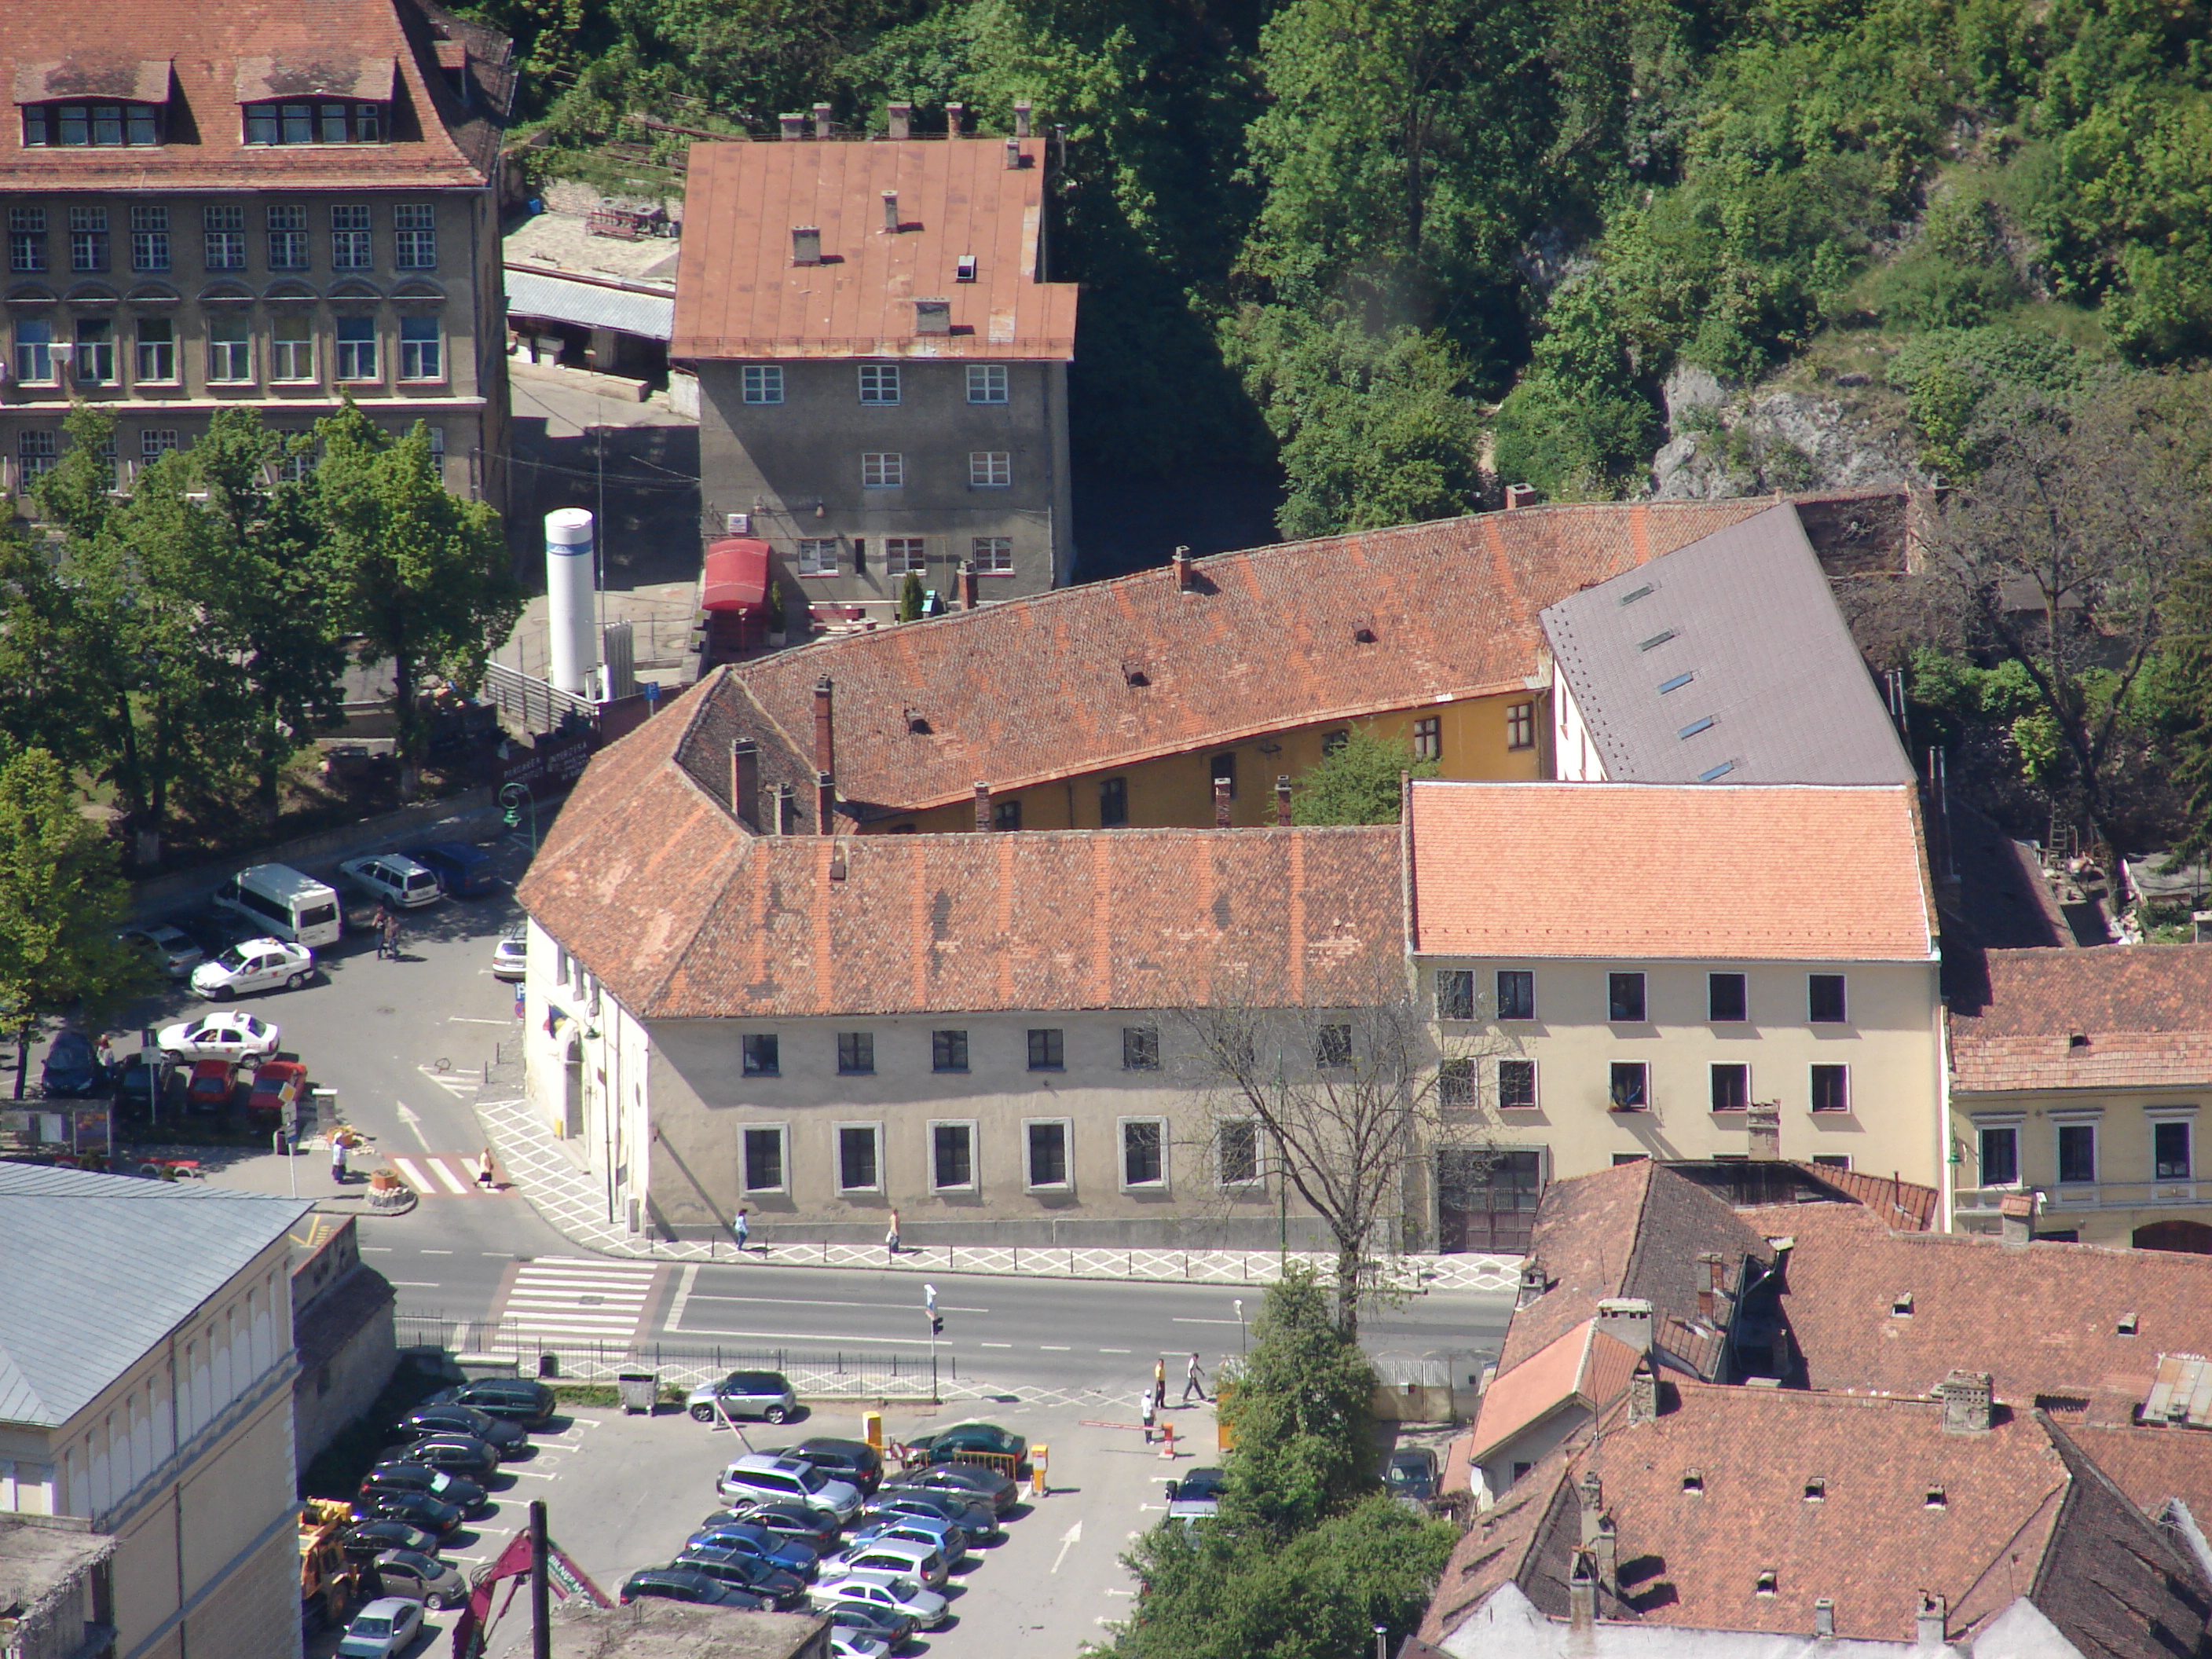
(1186, 574)
(890, 212)
(2016, 1219)
(1967, 1398)
(1581, 1591)
(898, 118)
(1521, 494)
(968, 601)
(791, 127)
(787, 809)
(1021, 118)
(806, 245)
(955, 119)
(744, 782)
(982, 809)
(1928, 1626)
(825, 756)
(1598, 1535)
(932, 316)
(1627, 1318)
(1282, 799)
(1221, 803)
(1762, 1120)
(1533, 1282)
(822, 120)
(1643, 1393)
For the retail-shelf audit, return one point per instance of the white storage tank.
(569, 597)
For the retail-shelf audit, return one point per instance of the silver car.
(414, 1576)
(745, 1393)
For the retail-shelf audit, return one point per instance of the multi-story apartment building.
(277, 203)
(883, 366)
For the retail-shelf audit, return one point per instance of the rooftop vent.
(898, 120)
(1013, 154)
(955, 119)
(1712, 772)
(1521, 494)
(890, 212)
(1824, 1616)
(1364, 636)
(916, 723)
(1676, 683)
(932, 316)
(1936, 1498)
(1900, 1305)
(1816, 1489)
(1766, 1585)
(1133, 675)
(1656, 640)
(2127, 1327)
(1693, 1482)
(791, 126)
(822, 120)
(806, 245)
(967, 270)
(2077, 1039)
(1021, 118)
(1696, 726)
(1636, 593)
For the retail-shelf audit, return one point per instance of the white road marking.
(682, 1296)
(562, 1296)
(996, 1344)
(377, 1249)
(1056, 1348)
(417, 1284)
(408, 1172)
(414, 1123)
(799, 1302)
(1068, 1540)
(434, 1253)
(1203, 1322)
(1113, 1350)
(818, 1336)
(447, 1178)
(456, 1085)
(471, 1020)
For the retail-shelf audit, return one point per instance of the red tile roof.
(2144, 1010)
(1628, 871)
(1583, 1366)
(739, 294)
(1039, 689)
(220, 55)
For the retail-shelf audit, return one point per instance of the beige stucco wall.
(2126, 1195)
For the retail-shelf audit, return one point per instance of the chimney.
(1533, 1284)
(1021, 118)
(1591, 1491)
(1581, 1591)
(1642, 1394)
(1282, 799)
(890, 212)
(825, 755)
(1521, 494)
(932, 316)
(968, 601)
(1762, 1120)
(744, 782)
(1599, 1539)
(2016, 1219)
(1930, 1625)
(1186, 577)
(1221, 803)
(1013, 155)
(899, 119)
(955, 119)
(1627, 1318)
(822, 120)
(1824, 1617)
(982, 809)
(1967, 1397)
(806, 245)
(1709, 1292)
(787, 809)
(792, 127)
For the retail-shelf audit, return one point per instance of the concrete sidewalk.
(573, 1202)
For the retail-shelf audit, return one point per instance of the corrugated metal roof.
(96, 1269)
(739, 294)
(1729, 653)
(2182, 1392)
(589, 304)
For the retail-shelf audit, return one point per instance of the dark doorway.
(2185, 1237)
(1486, 1201)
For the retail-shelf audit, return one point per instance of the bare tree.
(1349, 1104)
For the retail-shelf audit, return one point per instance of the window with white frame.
(766, 1169)
(1831, 1088)
(352, 245)
(149, 239)
(879, 383)
(859, 1157)
(157, 349)
(291, 349)
(1731, 1087)
(230, 350)
(1630, 1088)
(1045, 1162)
(763, 383)
(288, 238)
(96, 351)
(153, 442)
(818, 555)
(1824, 999)
(1516, 1084)
(314, 124)
(2077, 1154)
(993, 556)
(356, 337)
(1998, 1151)
(952, 1156)
(905, 556)
(1455, 994)
(88, 238)
(882, 469)
(1237, 1153)
(990, 469)
(421, 348)
(2171, 1152)
(34, 351)
(27, 239)
(416, 238)
(36, 453)
(223, 238)
(987, 383)
(1143, 1152)
(1455, 1082)
(91, 125)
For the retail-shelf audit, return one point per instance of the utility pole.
(541, 1589)
(929, 1308)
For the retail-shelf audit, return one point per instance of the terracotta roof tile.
(739, 294)
(222, 54)
(1788, 872)
(1583, 1364)
(1037, 689)
(1496, 1548)
(2154, 1466)
(2144, 1010)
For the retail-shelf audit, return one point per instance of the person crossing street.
(1193, 1381)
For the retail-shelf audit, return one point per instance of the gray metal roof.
(590, 305)
(96, 1269)
(1727, 653)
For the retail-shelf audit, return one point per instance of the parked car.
(687, 1584)
(748, 1537)
(1196, 1496)
(258, 964)
(175, 952)
(517, 1399)
(793, 1522)
(988, 1485)
(371, 1538)
(1412, 1476)
(424, 1578)
(417, 1509)
(888, 1625)
(974, 1516)
(943, 1536)
(219, 1037)
(462, 870)
(856, 1644)
(853, 1461)
(884, 1589)
(395, 879)
(507, 1439)
(463, 1494)
(279, 1087)
(793, 1479)
(213, 1084)
(454, 1454)
(385, 1629)
(745, 1393)
(138, 1082)
(784, 1590)
(963, 1439)
(72, 1070)
(883, 1553)
(510, 957)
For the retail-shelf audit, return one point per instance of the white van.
(284, 904)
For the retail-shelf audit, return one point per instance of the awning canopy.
(590, 305)
(736, 575)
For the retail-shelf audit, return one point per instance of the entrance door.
(1486, 1201)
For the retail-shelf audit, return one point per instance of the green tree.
(62, 899)
(1302, 1413)
(911, 597)
(1358, 783)
(424, 572)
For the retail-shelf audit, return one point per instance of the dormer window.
(319, 122)
(94, 127)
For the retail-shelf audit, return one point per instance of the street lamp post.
(929, 1308)
(513, 797)
(1240, 1345)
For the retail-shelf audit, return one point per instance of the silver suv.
(762, 1478)
(745, 1393)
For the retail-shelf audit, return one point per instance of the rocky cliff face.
(1726, 441)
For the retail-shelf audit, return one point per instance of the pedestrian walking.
(1160, 1382)
(1193, 1381)
(890, 1238)
(743, 1228)
(391, 935)
(485, 1170)
(1147, 1407)
(380, 925)
(338, 1159)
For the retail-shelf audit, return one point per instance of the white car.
(173, 947)
(258, 964)
(219, 1037)
(385, 1629)
(394, 878)
(856, 1644)
(892, 1591)
(510, 957)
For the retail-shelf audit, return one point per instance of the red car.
(278, 1088)
(213, 1082)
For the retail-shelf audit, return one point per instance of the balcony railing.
(2063, 1197)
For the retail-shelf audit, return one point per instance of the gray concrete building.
(882, 366)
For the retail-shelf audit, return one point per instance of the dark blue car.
(757, 1541)
(466, 871)
(71, 1072)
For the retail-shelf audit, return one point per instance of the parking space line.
(996, 1344)
(1056, 1348)
(1113, 1350)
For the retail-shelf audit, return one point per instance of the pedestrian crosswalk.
(578, 1298)
(443, 1175)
